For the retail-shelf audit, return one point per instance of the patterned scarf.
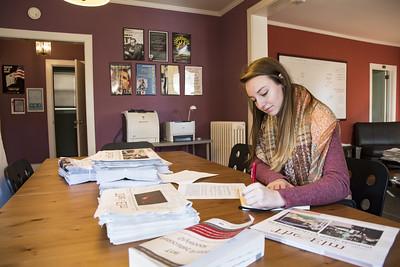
(315, 125)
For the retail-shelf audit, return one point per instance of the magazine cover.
(353, 241)
(13, 79)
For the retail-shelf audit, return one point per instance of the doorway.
(383, 82)
(66, 108)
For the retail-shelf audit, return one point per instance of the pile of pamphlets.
(214, 242)
(76, 171)
(132, 214)
(128, 168)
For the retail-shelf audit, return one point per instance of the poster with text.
(145, 79)
(158, 46)
(121, 79)
(13, 79)
(170, 80)
(133, 44)
(182, 46)
(193, 80)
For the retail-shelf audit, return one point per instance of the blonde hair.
(286, 118)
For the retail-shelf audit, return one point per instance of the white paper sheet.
(185, 177)
(211, 190)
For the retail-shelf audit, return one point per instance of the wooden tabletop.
(48, 223)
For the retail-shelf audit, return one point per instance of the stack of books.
(214, 242)
(132, 214)
(128, 168)
(76, 171)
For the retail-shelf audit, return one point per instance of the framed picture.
(193, 80)
(17, 105)
(158, 46)
(170, 80)
(13, 79)
(181, 47)
(145, 79)
(34, 98)
(121, 79)
(133, 44)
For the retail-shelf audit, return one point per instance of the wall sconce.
(89, 3)
(190, 109)
(43, 48)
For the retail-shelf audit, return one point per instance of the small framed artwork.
(193, 80)
(13, 79)
(121, 79)
(145, 79)
(34, 98)
(133, 44)
(158, 46)
(170, 80)
(17, 105)
(181, 47)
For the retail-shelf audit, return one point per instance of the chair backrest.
(128, 145)
(368, 182)
(17, 173)
(239, 157)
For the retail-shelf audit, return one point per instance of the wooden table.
(48, 223)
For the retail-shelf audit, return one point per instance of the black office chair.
(239, 157)
(17, 173)
(368, 183)
(128, 145)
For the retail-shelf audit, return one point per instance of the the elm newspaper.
(353, 241)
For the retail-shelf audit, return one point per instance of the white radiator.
(224, 135)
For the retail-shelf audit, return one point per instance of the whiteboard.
(325, 79)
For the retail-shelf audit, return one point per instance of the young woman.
(296, 152)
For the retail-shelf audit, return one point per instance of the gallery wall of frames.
(138, 72)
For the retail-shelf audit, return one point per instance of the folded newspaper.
(214, 242)
(353, 241)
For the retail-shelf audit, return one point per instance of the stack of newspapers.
(128, 168)
(76, 171)
(132, 214)
(392, 154)
(214, 242)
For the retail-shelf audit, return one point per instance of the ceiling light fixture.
(43, 48)
(89, 3)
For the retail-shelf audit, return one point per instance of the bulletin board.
(325, 79)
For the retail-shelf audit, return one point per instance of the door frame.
(392, 69)
(87, 41)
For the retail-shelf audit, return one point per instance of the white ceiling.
(375, 21)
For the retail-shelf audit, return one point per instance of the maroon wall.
(106, 24)
(358, 56)
(25, 135)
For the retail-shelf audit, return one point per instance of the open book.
(214, 242)
(353, 241)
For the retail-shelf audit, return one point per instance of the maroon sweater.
(333, 186)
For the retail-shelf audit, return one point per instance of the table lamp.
(190, 109)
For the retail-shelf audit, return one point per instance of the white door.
(81, 126)
(382, 106)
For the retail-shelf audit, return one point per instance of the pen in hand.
(253, 172)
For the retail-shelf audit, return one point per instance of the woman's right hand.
(279, 184)
(258, 196)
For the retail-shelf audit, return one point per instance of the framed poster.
(145, 79)
(181, 47)
(170, 80)
(193, 80)
(17, 105)
(13, 79)
(158, 46)
(133, 44)
(121, 79)
(34, 98)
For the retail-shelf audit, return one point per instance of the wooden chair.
(239, 158)
(368, 183)
(129, 145)
(17, 173)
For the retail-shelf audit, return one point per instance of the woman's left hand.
(259, 196)
(279, 184)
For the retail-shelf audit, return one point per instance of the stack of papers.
(130, 167)
(76, 171)
(132, 214)
(392, 154)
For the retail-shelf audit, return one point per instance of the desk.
(48, 223)
(207, 142)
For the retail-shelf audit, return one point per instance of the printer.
(141, 125)
(179, 131)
